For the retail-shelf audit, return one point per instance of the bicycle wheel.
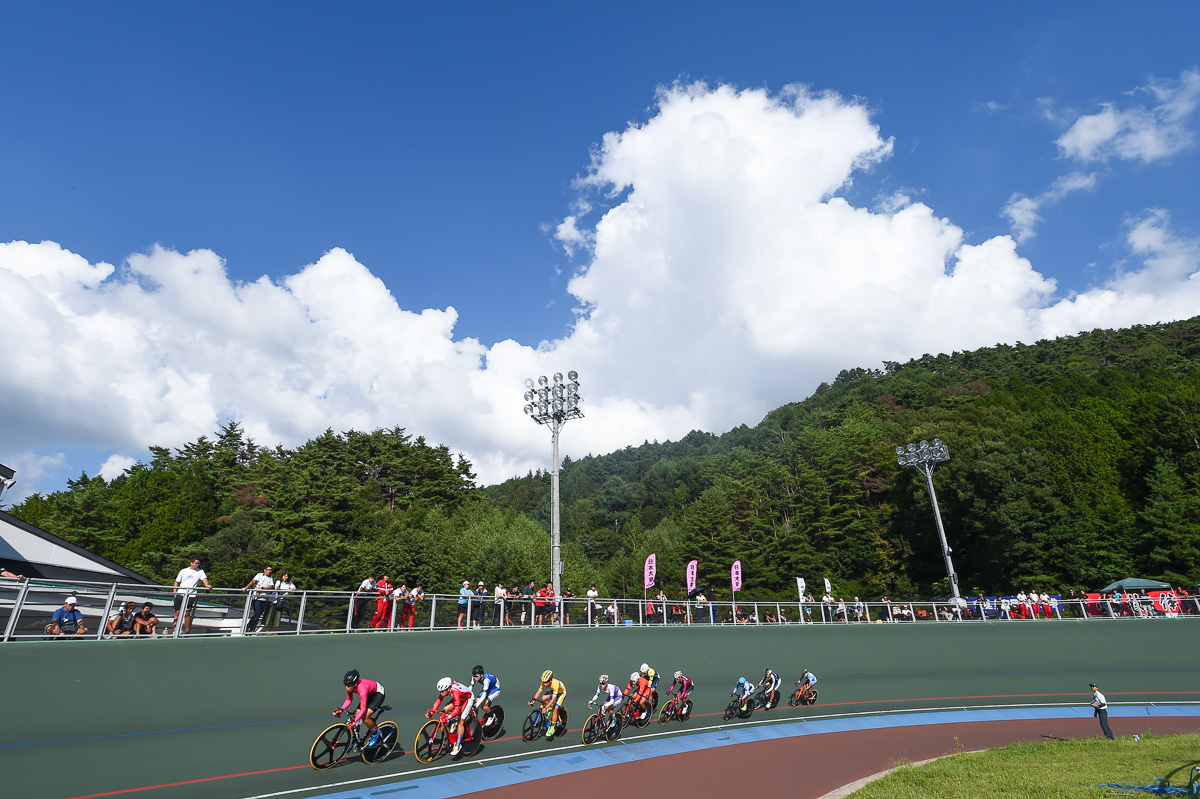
(495, 723)
(684, 712)
(797, 698)
(534, 726)
(772, 701)
(731, 710)
(747, 713)
(431, 741)
(474, 737)
(330, 746)
(812, 697)
(612, 731)
(759, 701)
(667, 712)
(561, 728)
(593, 729)
(389, 733)
(644, 721)
(653, 701)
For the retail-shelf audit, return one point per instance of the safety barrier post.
(300, 613)
(349, 610)
(432, 611)
(18, 603)
(103, 625)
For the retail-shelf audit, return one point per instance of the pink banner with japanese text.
(650, 570)
(735, 574)
(691, 575)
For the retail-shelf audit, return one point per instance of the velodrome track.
(235, 717)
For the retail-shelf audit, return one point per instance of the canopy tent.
(1135, 584)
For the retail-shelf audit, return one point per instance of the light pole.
(923, 457)
(553, 405)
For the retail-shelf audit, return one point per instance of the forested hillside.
(1073, 461)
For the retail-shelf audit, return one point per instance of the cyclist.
(370, 699)
(638, 693)
(555, 692)
(489, 690)
(807, 679)
(685, 687)
(770, 683)
(460, 697)
(651, 675)
(612, 699)
(743, 690)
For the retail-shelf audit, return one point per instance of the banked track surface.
(235, 717)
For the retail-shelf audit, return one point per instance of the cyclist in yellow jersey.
(555, 693)
(650, 674)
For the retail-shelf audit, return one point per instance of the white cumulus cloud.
(727, 276)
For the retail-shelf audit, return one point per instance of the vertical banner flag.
(691, 576)
(800, 586)
(828, 587)
(650, 570)
(735, 574)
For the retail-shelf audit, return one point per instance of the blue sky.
(429, 153)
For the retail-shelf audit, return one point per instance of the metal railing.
(26, 608)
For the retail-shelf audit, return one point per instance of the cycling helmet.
(741, 680)
(679, 675)
(351, 677)
(645, 668)
(477, 671)
(444, 684)
(634, 677)
(547, 675)
(603, 679)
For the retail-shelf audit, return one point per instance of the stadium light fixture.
(924, 457)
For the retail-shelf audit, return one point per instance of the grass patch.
(1045, 770)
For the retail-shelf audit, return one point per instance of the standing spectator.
(542, 605)
(414, 596)
(262, 596)
(464, 601)
(885, 613)
(186, 593)
(592, 595)
(841, 610)
(860, 610)
(498, 597)
(400, 603)
(1047, 600)
(383, 601)
(566, 609)
(6, 573)
(66, 620)
(275, 611)
(144, 621)
(364, 598)
(122, 623)
(1100, 705)
(528, 592)
(827, 607)
(481, 593)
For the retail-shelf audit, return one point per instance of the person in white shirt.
(185, 592)
(364, 599)
(283, 586)
(592, 594)
(841, 609)
(1023, 604)
(262, 596)
(1100, 705)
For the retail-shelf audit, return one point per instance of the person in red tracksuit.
(383, 601)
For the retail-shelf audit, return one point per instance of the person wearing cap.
(1100, 705)
(66, 620)
(499, 595)
(122, 622)
(465, 594)
(481, 594)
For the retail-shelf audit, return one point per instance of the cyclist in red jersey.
(638, 692)
(370, 699)
(460, 705)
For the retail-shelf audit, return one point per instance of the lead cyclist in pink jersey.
(370, 699)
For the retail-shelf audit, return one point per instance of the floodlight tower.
(7, 478)
(554, 404)
(924, 457)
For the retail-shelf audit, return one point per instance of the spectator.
(885, 613)
(498, 597)
(808, 607)
(122, 623)
(464, 601)
(383, 602)
(144, 621)
(703, 611)
(840, 613)
(410, 608)
(279, 603)
(611, 614)
(186, 592)
(66, 620)
(364, 598)
(477, 608)
(262, 596)
(545, 605)
(592, 595)
(860, 610)
(6, 573)
(827, 608)
(528, 592)
(1048, 603)
(566, 609)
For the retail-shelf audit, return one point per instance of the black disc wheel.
(560, 729)
(534, 727)
(797, 698)
(685, 710)
(653, 700)
(472, 737)
(760, 701)
(389, 733)
(431, 741)
(593, 729)
(495, 723)
(772, 701)
(330, 746)
(642, 718)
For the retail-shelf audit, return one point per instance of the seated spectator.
(6, 573)
(144, 621)
(904, 613)
(66, 620)
(840, 613)
(769, 617)
(611, 614)
(122, 623)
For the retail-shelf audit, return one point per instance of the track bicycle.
(765, 700)
(535, 724)
(674, 709)
(602, 724)
(492, 723)
(804, 695)
(433, 739)
(632, 713)
(736, 708)
(338, 740)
